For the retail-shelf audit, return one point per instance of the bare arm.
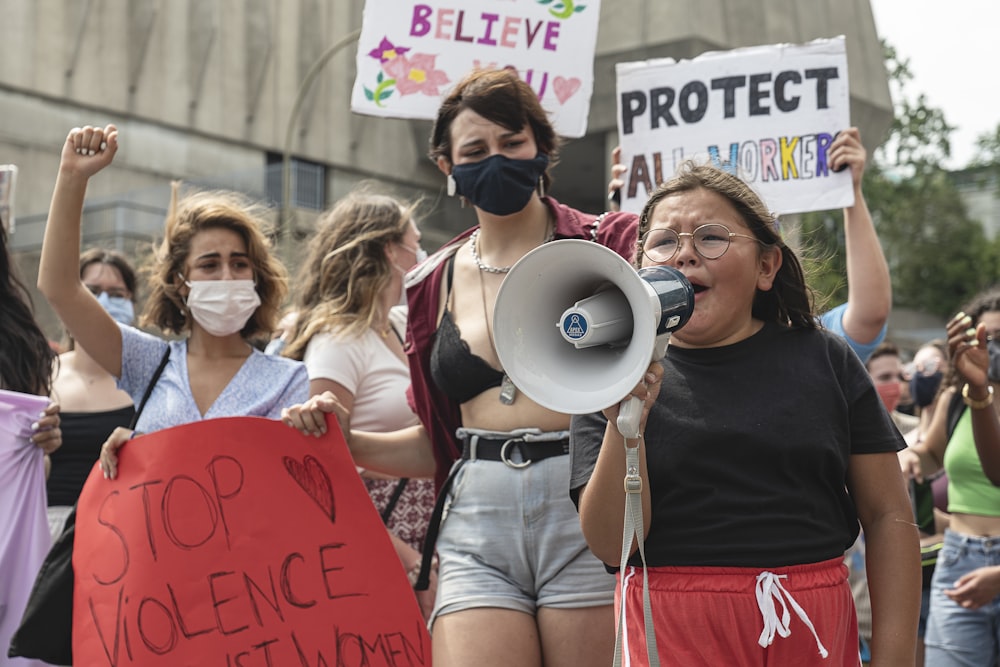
(892, 556)
(403, 453)
(85, 152)
(602, 499)
(926, 457)
(869, 288)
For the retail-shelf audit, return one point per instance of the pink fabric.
(24, 532)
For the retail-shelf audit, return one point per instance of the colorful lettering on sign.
(511, 32)
(764, 160)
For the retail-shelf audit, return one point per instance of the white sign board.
(411, 54)
(767, 114)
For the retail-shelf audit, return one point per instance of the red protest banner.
(238, 543)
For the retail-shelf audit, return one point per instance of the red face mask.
(889, 392)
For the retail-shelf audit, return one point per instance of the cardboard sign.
(411, 54)
(238, 542)
(767, 114)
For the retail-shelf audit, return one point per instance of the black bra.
(456, 371)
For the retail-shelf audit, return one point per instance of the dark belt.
(476, 448)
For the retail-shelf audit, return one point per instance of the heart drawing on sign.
(312, 477)
(565, 88)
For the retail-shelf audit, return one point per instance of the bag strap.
(433, 528)
(956, 408)
(149, 389)
(394, 499)
(633, 528)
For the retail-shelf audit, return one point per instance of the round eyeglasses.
(711, 241)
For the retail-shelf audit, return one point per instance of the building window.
(307, 184)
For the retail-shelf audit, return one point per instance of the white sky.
(952, 49)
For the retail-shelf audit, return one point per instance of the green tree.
(937, 256)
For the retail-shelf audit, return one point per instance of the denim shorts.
(958, 637)
(511, 538)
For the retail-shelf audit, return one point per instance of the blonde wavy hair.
(197, 212)
(347, 267)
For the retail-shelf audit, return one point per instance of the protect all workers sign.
(768, 114)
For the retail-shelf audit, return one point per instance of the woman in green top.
(965, 592)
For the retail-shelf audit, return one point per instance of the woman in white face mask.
(214, 284)
(349, 332)
(92, 404)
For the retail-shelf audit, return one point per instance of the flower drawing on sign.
(407, 74)
(562, 9)
(416, 74)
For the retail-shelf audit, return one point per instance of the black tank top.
(83, 434)
(456, 371)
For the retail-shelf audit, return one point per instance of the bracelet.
(980, 404)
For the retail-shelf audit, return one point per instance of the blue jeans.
(959, 637)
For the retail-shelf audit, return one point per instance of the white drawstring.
(768, 590)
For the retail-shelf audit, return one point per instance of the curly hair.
(197, 212)
(347, 267)
(502, 97)
(26, 358)
(789, 302)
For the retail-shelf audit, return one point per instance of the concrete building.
(204, 91)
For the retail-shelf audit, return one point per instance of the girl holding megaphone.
(758, 458)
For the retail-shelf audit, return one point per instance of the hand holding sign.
(238, 542)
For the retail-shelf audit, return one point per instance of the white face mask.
(222, 307)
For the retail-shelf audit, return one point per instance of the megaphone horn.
(576, 326)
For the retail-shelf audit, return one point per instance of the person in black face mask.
(516, 582)
(964, 439)
(925, 373)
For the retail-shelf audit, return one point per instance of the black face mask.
(499, 185)
(993, 347)
(923, 388)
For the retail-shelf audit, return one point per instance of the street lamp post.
(285, 219)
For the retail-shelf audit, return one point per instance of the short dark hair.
(502, 97)
(884, 349)
(111, 258)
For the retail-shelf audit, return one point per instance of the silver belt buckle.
(505, 454)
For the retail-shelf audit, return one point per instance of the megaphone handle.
(629, 414)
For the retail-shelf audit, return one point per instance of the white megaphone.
(576, 326)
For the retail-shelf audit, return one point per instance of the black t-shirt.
(747, 449)
(83, 435)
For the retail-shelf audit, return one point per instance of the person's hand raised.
(967, 348)
(88, 150)
(847, 151)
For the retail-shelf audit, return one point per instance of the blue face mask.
(120, 308)
(499, 185)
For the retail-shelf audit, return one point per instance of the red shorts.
(711, 616)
